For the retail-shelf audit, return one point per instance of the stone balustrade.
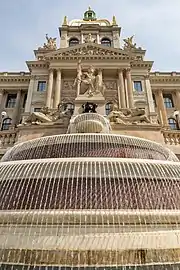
(172, 137)
(7, 138)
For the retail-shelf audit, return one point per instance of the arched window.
(172, 123)
(73, 42)
(106, 42)
(168, 101)
(6, 123)
(108, 108)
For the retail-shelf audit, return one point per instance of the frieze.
(68, 85)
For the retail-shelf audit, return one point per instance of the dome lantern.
(89, 15)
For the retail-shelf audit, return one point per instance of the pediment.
(87, 50)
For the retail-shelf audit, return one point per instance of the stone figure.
(89, 107)
(47, 115)
(129, 43)
(51, 43)
(128, 116)
(89, 39)
(89, 83)
(176, 117)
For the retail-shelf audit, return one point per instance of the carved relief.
(110, 84)
(68, 91)
(111, 89)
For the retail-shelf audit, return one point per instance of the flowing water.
(89, 201)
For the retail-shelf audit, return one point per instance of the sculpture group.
(90, 82)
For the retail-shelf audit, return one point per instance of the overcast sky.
(155, 24)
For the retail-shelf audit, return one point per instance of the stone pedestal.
(82, 99)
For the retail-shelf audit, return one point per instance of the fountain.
(89, 199)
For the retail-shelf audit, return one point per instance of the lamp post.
(3, 115)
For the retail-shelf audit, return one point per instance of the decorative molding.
(166, 79)
(15, 78)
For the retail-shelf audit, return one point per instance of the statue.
(89, 39)
(51, 43)
(89, 83)
(129, 116)
(89, 107)
(129, 43)
(47, 115)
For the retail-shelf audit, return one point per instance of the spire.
(65, 22)
(114, 21)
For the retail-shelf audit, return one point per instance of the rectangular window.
(138, 86)
(41, 86)
(168, 101)
(11, 101)
(37, 109)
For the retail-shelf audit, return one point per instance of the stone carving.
(89, 39)
(89, 83)
(128, 116)
(111, 84)
(47, 115)
(91, 50)
(129, 43)
(50, 45)
(89, 107)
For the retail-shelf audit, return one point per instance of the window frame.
(41, 88)
(108, 107)
(138, 83)
(173, 124)
(11, 103)
(166, 102)
(105, 43)
(8, 124)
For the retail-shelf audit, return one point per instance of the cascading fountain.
(89, 200)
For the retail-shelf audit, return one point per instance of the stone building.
(123, 68)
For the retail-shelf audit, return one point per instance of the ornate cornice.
(15, 78)
(142, 64)
(37, 64)
(165, 79)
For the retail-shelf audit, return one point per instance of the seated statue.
(44, 116)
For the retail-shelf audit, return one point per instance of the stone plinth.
(146, 131)
(26, 133)
(97, 99)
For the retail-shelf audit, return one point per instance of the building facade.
(127, 77)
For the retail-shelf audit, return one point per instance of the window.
(168, 102)
(24, 101)
(41, 86)
(138, 86)
(11, 101)
(6, 123)
(73, 42)
(37, 109)
(106, 42)
(172, 123)
(108, 108)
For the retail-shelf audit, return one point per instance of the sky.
(155, 24)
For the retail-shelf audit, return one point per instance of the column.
(129, 89)
(57, 96)
(82, 38)
(98, 38)
(29, 95)
(50, 88)
(121, 90)
(149, 95)
(16, 109)
(1, 99)
(177, 100)
(161, 107)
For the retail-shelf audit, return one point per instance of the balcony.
(7, 139)
(171, 137)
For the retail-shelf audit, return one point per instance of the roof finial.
(65, 20)
(89, 8)
(114, 21)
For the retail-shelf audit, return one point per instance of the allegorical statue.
(129, 116)
(89, 83)
(50, 44)
(128, 43)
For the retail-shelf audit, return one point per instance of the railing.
(172, 137)
(7, 138)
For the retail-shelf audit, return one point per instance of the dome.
(85, 200)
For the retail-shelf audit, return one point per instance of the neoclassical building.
(122, 67)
